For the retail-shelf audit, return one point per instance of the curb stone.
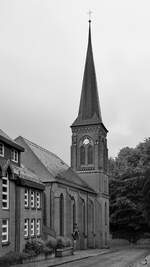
(78, 258)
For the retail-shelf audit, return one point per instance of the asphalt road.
(122, 258)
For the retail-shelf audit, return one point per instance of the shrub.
(51, 243)
(34, 247)
(47, 251)
(68, 242)
(12, 258)
(63, 242)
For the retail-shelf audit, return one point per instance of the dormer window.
(1, 150)
(14, 155)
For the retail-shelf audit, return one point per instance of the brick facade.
(70, 197)
(13, 181)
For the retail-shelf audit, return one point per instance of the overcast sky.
(42, 54)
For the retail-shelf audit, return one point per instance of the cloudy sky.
(42, 54)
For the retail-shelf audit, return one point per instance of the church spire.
(89, 109)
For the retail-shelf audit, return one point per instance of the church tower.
(89, 153)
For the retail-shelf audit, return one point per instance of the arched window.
(74, 213)
(0, 172)
(90, 154)
(83, 216)
(61, 213)
(82, 155)
(105, 213)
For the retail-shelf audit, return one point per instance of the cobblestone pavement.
(117, 257)
(129, 257)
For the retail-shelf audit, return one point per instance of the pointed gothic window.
(82, 155)
(61, 215)
(83, 216)
(90, 217)
(105, 213)
(90, 154)
(73, 214)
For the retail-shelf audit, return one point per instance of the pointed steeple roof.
(89, 109)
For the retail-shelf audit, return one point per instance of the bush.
(63, 242)
(51, 243)
(12, 258)
(34, 247)
(47, 251)
(68, 242)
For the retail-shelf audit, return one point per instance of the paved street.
(122, 258)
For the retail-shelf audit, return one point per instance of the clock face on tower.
(86, 141)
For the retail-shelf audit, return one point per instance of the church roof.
(57, 169)
(89, 109)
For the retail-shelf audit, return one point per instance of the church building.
(50, 198)
(89, 153)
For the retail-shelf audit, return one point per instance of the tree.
(129, 207)
(146, 197)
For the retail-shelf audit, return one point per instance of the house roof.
(27, 178)
(6, 139)
(24, 173)
(56, 167)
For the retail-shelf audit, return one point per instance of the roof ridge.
(9, 140)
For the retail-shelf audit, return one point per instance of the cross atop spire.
(89, 109)
(90, 13)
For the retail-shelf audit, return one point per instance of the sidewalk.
(78, 255)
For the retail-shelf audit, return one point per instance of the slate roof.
(21, 173)
(26, 174)
(89, 109)
(52, 162)
(5, 138)
(56, 167)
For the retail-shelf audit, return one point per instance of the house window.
(32, 199)
(38, 200)
(32, 227)
(1, 149)
(26, 227)
(4, 230)
(14, 155)
(26, 198)
(38, 227)
(5, 192)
